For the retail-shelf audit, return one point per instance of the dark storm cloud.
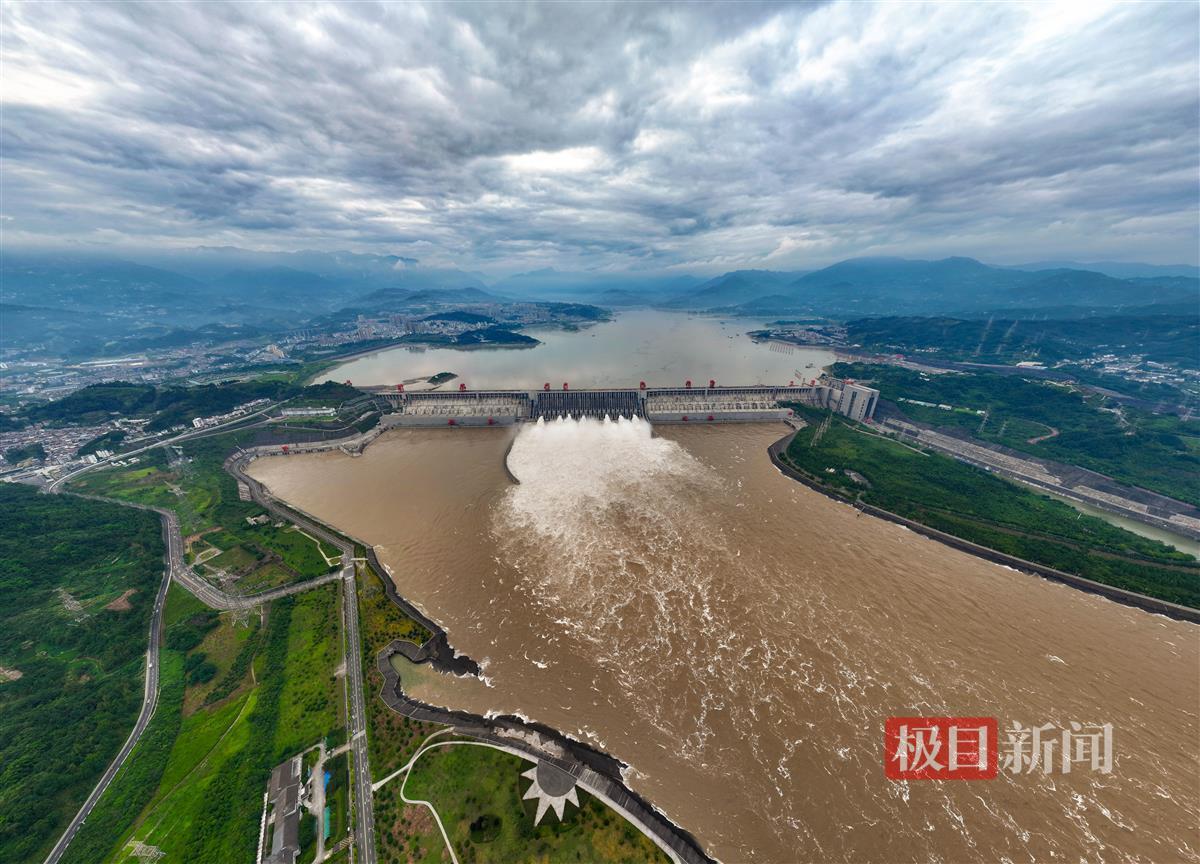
(696, 136)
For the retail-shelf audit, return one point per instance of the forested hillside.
(77, 586)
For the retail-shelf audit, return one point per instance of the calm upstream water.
(663, 349)
(740, 640)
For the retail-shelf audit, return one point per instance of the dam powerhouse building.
(687, 404)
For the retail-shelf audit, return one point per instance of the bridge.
(687, 404)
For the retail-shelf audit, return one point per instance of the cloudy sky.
(702, 137)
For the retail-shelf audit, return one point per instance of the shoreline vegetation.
(1056, 421)
(424, 639)
(1003, 523)
(987, 516)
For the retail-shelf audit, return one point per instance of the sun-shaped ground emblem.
(552, 787)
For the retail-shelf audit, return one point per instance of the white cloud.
(605, 136)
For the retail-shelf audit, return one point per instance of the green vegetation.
(108, 441)
(442, 377)
(494, 335)
(17, 455)
(1162, 338)
(1157, 452)
(178, 405)
(460, 316)
(236, 673)
(391, 737)
(205, 777)
(337, 796)
(190, 479)
(77, 585)
(134, 786)
(311, 692)
(307, 834)
(477, 793)
(972, 504)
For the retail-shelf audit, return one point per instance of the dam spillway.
(587, 403)
(749, 404)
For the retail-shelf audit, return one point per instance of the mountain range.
(85, 302)
(862, 287)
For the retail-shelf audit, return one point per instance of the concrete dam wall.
(751, 404)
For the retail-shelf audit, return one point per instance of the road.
(149, 704)
(178, 570)
(54, 486)
(356, 721)
(356, 713)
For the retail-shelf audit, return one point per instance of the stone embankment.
(596, 771)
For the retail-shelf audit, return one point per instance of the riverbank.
(777, 454)
(596, 771)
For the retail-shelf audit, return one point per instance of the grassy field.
(477, 793)
(392, 738)
(191, 481)
(77, 585)
(205, 777)
(311, 696)
(967, 502)
(1054, 421)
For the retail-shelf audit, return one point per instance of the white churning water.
(740, 641)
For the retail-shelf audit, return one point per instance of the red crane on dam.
(641, 385)
(688, 384)
(462, 388)
(546, 386)
(399, 388)
(565, 387)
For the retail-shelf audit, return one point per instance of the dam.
(667, 595)
(687, 404)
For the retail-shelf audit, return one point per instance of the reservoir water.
(661, 348)
(740, 640)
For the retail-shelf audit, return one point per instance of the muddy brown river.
(740, 640)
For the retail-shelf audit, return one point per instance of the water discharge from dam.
(740, 640)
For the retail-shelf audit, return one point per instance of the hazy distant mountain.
(79, 304)
(619, 297)
(963, 286)
(621, 289)
(284, 287)
(405, 299)
(771, 305)
(732, 289)
(75, 283)
(1118, 269)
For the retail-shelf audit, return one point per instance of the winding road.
(177, 570)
